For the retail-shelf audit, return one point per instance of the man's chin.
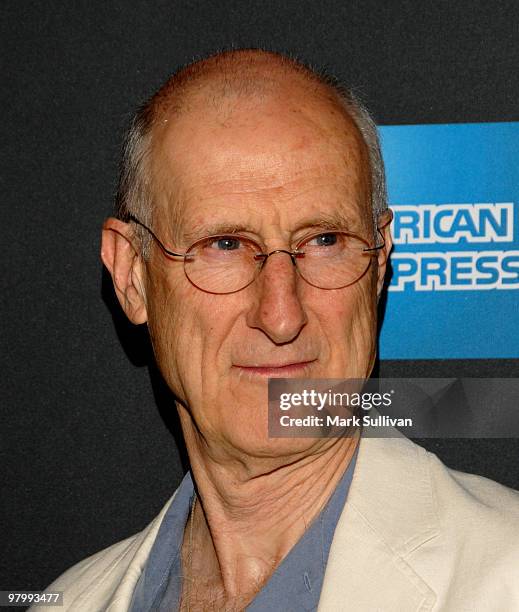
(276, 452)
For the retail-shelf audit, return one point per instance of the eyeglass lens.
(225, 264)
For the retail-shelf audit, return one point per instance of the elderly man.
(252, 238)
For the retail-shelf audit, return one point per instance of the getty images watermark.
(387, 407)
(331, 399)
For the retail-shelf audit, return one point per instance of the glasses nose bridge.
(291, 254)
(293, 257)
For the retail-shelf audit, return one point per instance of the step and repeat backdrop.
(90, 444)
(454, 289)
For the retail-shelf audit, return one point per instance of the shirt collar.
(295, 585)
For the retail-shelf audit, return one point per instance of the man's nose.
(277, 309)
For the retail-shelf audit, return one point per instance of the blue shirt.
(294, 586)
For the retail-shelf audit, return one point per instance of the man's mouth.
(271, 370)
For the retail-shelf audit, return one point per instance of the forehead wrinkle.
(239, 173)
(271, 200)
(267, 189)
(179, 208)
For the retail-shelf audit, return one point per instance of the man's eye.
(323, 240)
(226, 243)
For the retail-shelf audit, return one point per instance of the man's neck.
(246, 521)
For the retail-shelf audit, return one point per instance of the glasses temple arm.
(159, 242)
(386, 223)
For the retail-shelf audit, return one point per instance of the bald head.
(233, 75)
(213, 89)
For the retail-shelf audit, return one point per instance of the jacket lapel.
(389, 513)
(122, 598)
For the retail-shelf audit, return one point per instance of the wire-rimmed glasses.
(227, 263)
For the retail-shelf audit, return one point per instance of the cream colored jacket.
(413, 535)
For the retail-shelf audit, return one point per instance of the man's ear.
(121, 257)
(384, 231)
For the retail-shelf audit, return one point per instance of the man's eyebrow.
(212, 229)
(337, 220)
(328, 221)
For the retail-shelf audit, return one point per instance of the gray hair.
(134, 193)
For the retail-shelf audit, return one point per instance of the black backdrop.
(88, 455)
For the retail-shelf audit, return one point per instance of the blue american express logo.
(454, 224)
(449, 223)
(455, 265)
